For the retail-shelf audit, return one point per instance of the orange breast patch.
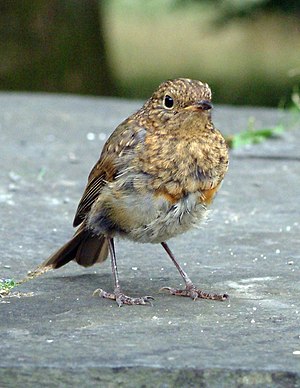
(208, 195)
(172, 198)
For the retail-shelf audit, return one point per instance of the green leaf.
(7, 284)
(254, 136)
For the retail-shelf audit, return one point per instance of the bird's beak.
(200, 105)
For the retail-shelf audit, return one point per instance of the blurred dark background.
(248, 51)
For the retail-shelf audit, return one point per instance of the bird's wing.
(123, 139)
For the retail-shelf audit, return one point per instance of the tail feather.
(86, 249)
(93, 249)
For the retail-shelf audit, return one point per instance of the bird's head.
(177, 100)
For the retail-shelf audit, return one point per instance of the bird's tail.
(85, 248)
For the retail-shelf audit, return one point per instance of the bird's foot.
(121, 298)
(195, 293)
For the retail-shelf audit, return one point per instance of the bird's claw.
(195, 293)
(121, 298)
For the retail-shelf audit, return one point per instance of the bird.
(157, 174)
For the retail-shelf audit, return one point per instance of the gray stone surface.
(58, 334)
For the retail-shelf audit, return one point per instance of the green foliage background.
(248, 51)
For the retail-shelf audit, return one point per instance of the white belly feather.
(162, 222)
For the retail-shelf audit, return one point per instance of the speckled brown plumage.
(156, 175)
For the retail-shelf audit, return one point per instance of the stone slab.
(60, 335)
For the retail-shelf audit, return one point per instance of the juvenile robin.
(157, 174)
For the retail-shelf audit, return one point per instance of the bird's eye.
(168, 102)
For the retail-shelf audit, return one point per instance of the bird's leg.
(190, 290)
(118, 295)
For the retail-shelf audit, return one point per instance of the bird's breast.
(169, 219)
(145, 217)
(180, 164)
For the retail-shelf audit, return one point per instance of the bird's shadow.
(87, 283)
